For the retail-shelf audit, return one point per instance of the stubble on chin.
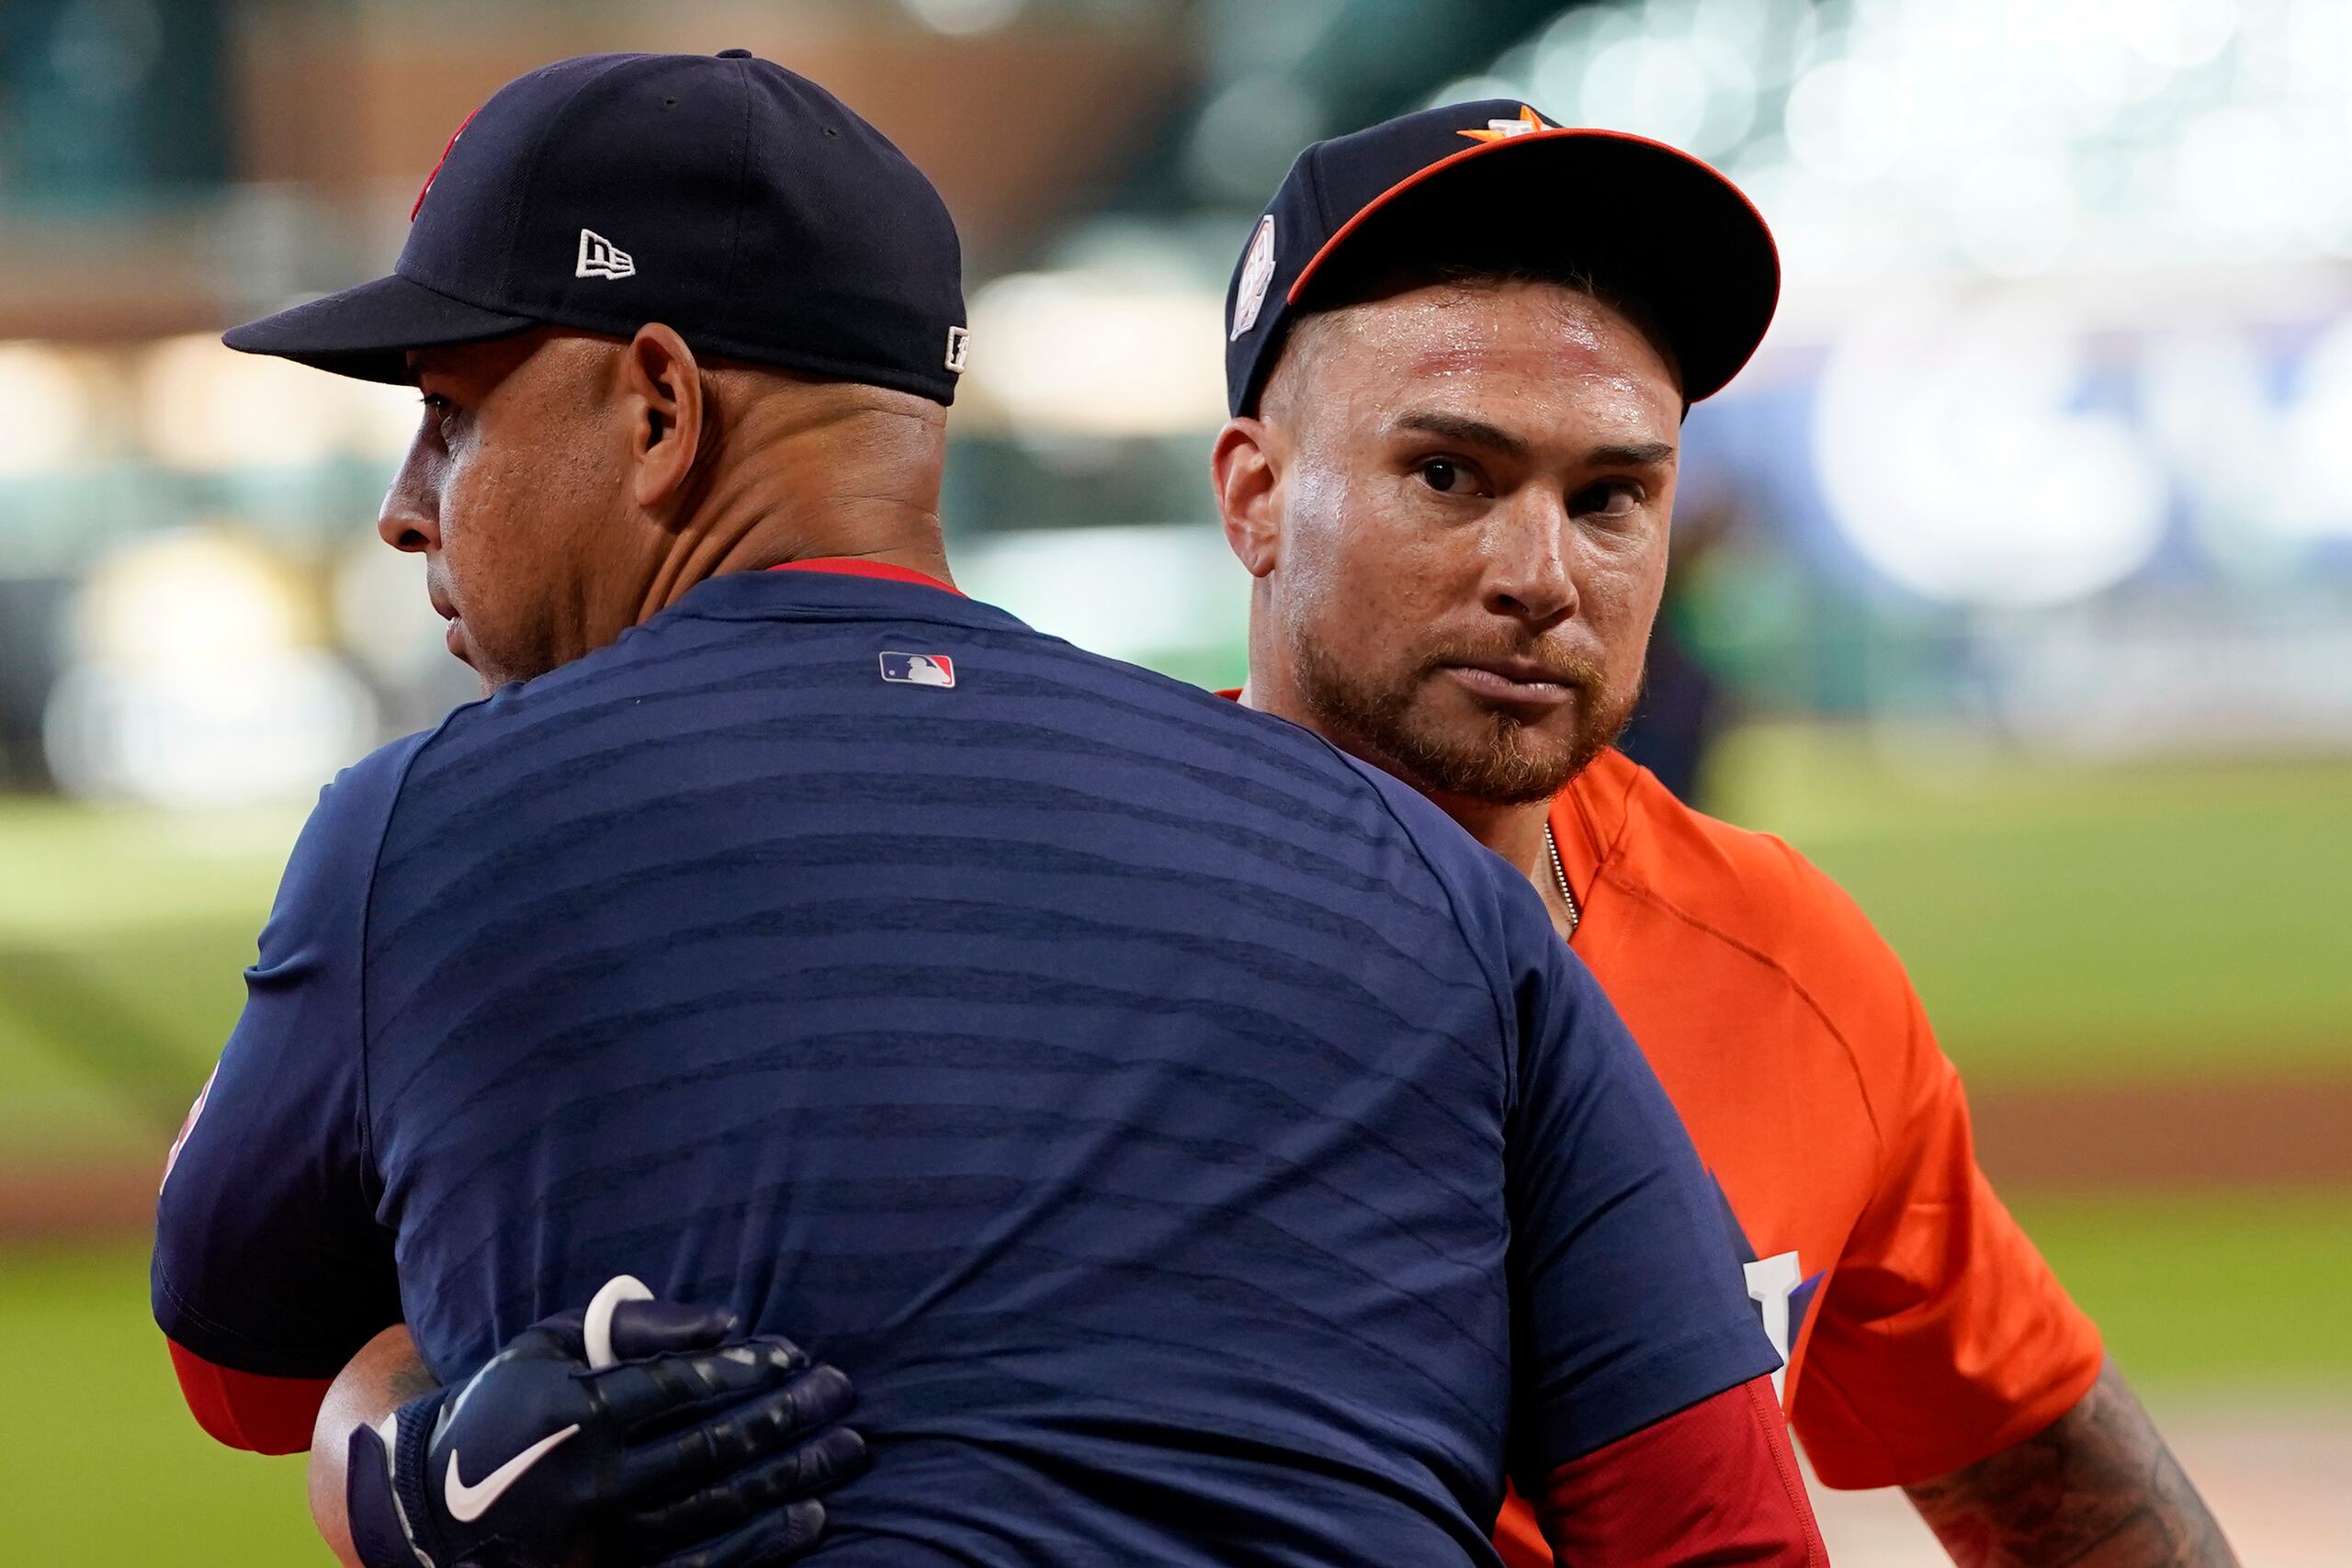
(1496, 758)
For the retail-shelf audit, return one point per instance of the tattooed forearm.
(2098, 1489)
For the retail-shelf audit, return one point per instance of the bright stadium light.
(1843, 118)
(2320, 439)
(47, 413)
(198, 681)
(189, 596)
(2244, 172)
(2016, 216)
(962, 18)
(2265, 464)
(2204, 396)
(2178, 34)
(231, 734)
(1653, 87)
(1957, 461)
(207, 408)
(2159, 133)
(1092, 354)
(1079, 583)
(379, 420)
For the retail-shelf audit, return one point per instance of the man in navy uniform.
(1199, 1149)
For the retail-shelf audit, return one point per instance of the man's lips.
(1525, 682)
(454, 634)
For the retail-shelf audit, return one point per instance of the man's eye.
(1615, 498)
(1447, 477)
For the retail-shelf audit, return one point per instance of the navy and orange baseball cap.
(1494, 184)
(724, 196)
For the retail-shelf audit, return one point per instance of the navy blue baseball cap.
(1494, 183)
(724, 196)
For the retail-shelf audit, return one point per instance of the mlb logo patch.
(918, 669)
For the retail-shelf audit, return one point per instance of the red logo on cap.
(444, 158)
(1502, 130)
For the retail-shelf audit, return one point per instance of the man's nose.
(411, 516)
(1528, 576)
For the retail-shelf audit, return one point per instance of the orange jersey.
(1922, 1330)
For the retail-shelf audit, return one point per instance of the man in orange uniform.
(1461, 346)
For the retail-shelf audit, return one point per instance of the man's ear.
(1245, 467)
(669, 420)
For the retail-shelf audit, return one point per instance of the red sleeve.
(247, 1410)
(1715, 1484)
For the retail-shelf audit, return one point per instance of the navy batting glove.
(634, 1433)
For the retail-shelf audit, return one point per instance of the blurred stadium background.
(2014, 585)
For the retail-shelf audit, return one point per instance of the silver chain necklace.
(1560, 877)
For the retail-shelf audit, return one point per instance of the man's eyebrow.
(1468, 432)
(1478, 433)
(1632, 455)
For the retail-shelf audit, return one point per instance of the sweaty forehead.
(1535, 347)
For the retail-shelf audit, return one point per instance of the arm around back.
(638, 1431)
(386, 1375)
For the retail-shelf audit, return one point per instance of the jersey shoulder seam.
(1853, 1058)
(1608, 850)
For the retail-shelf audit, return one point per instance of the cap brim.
(367, 332)
(1636, 215)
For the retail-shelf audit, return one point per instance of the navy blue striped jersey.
(1197, 1149)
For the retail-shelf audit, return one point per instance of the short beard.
(1506, 763)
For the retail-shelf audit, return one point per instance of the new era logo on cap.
(723, 163)
(599, 257)
(918, 669)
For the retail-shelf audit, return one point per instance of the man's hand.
(2096, 1489)
(631, 1434)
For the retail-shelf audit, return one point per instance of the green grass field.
(98, 1463)
(2072, 923)
(122, 935)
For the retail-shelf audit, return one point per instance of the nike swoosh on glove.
(673, 1444)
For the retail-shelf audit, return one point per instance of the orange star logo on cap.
(1501, 130)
